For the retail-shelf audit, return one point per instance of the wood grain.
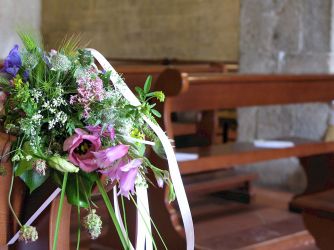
(225, 156)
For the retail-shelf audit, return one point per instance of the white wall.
(17, 14)
(292, 37)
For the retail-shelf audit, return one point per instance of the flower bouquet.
(74, 127)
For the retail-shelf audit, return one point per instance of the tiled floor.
(264, 224)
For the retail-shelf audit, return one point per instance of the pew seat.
(219, 156)
(322, 202)
(218, 181)
(318, 216)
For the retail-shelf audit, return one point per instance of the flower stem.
(9, 201)
(60, 208)
(79, 223)
(112, 214)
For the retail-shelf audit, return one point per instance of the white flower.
(46, 105)
(37, 118)
(61, 117)
(59, 62)
(29, 60)
(36, 94)
(16, 157)
(52, 123)
(28, 157)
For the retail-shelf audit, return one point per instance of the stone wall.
(18, 14)
(285, 36)
(184, 29)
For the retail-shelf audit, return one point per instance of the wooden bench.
(210, 92)
(25, 205)
(318, 215)
(136, 74)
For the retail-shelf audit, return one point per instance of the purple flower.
(90, 89)
(105, 158)
(97, 130)
(125, 173)
(80, 147)
(127, 177)
(13, 62)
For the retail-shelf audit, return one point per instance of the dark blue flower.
(13, 62)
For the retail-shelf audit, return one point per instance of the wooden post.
(5, 222)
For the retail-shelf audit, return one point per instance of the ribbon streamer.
(172, 163)
(143, 220)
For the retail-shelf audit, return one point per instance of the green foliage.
(85, 185)
(158, 149)
(70, 45)
(23, 166)
(145, 96)
(171, 192)
(147, 85)
(85, 58)
(33, 179)
(72, 123)
(4, 81)
(30, 40)
(28, 156)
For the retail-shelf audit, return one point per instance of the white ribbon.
(118, 215)
(143, 220)
(172, 163)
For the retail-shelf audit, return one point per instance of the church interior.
(248, 107)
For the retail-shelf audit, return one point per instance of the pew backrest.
(210, 92)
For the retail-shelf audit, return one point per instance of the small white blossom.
(9, 127)
(46, 105)
(16, 157)
(52, 123)
(36, 94)
(28, 157)
(37, 118)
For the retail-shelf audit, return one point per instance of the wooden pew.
(25, 206)
(209, 92)
(135, 74)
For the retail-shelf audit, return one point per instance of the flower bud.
(93, 224)
(59, 62)
(28, 234)
(62, 165)
(40, 166)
